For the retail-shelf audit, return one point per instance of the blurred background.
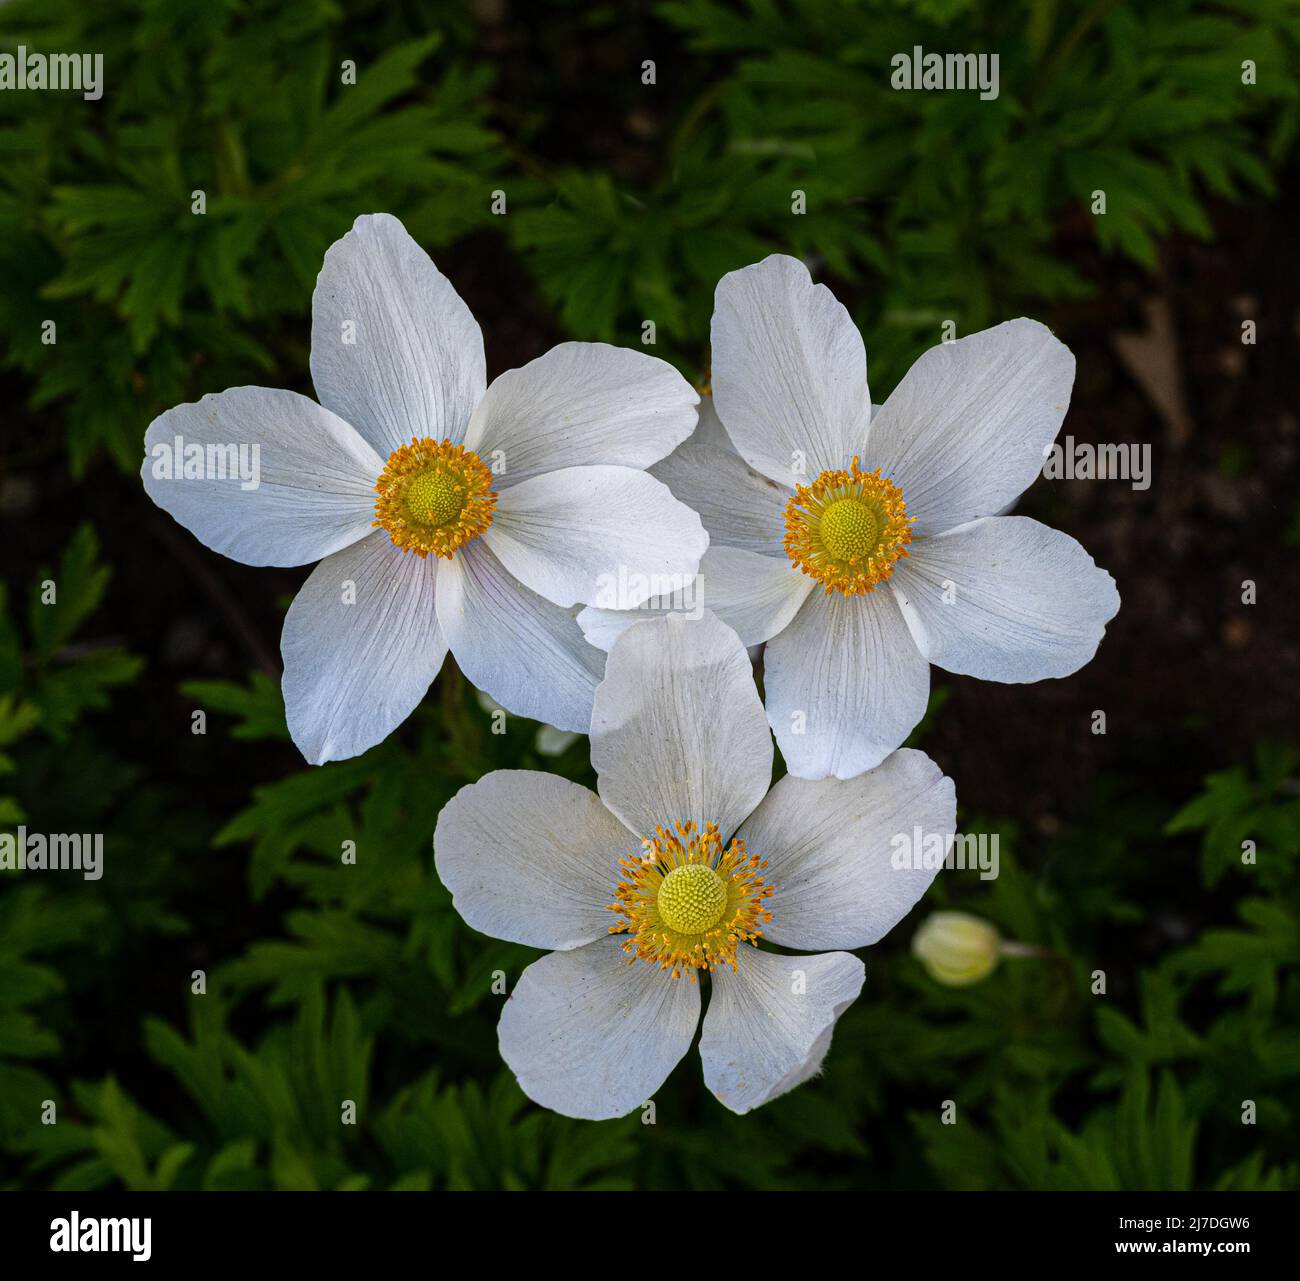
(625, 201)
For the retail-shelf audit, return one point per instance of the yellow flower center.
(692, 898)
(434, 497)
(847, 529)
(688, 903)
(850, 527)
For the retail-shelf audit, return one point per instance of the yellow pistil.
(847, 529)
(688, 903)
(434, 497)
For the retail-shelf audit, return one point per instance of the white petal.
(531, 858)
(756, 596)
(576, 534)
(590, 1036)
(394, 350)
(677, 731)
(314, 475)
(845, 684)
(789, 371)
(602, 627)
(841, 851)
(769, 1023)
(739, 507)
(1024, 602)
(361, 646)
(581, 404)
(709, 430)
(528, 654)
(966, 430)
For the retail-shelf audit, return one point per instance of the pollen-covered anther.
(847, 529)
(434, 497)
(688, 903)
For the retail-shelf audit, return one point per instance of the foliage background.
(626, 202)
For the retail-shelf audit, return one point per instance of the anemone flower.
(686, 859)
(862, 547)
(444, 515)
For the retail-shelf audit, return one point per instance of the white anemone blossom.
(687, 856)
(863, 546)
(445, 514)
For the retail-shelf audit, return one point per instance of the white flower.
(893, 556)
(695, 857)
(529, 495)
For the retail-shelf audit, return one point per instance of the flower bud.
(956, 948)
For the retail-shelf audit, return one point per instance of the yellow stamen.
(434, 497)
(688, 903)
(847, 529)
